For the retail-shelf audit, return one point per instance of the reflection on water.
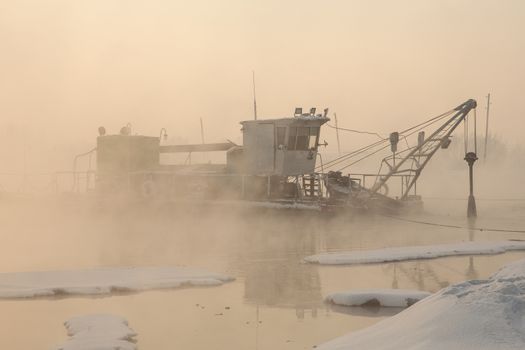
(275, 276)
(471, 273)
(276, 301)
(419, 273)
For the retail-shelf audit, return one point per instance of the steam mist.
(69, 67)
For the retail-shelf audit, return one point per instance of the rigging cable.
(429, 120)
(418, 127)
(465, 134)
(371, 154)
(356, 131)
(475, 132)
(363, 158)
(352, 154)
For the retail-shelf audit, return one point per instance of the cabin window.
(314, 136)
(303, 135)
(281, 133)
(303, 138)
(291, 138)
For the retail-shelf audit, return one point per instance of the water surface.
(276, 301)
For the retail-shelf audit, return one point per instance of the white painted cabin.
(278, 147)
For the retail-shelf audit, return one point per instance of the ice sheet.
(98, 332)
(414, 252)
(103, 281)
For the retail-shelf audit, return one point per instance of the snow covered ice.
(477, 314)
(380, 297)
(103, 281)
(98, 332)
(414, 252)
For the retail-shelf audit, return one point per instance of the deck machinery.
(278, 163)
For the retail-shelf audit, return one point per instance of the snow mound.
(98, 332)
(414, 252)
(377, 297)
(103, 281)
(477, 314)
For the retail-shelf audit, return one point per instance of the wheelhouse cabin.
(278, 147)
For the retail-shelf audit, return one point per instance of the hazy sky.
(67, 67)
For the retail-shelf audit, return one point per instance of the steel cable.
(452, 226)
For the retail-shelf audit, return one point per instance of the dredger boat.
(278, 165)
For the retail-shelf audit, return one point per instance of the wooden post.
(486, 128)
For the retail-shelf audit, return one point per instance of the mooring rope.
(452, 226)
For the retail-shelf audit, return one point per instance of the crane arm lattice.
(413, 163)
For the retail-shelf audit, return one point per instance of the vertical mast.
(337, 134)
(486, 128)
(254, 99)
(202, 137)
(202, 132)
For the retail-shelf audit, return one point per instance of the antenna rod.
(337, 134)
(202, 139)
(254, 98)
(486, 128)
(202, 132)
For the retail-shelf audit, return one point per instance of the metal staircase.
(311, 186)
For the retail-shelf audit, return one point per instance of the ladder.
(311, 185)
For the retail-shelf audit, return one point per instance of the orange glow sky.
(67, 67)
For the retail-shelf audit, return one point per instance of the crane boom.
(415, 161)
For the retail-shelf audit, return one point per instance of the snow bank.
(414, 252)
(103, 281)
(478, 314)
(379, 297)
(98, 332)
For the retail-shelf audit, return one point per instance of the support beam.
(205, 147)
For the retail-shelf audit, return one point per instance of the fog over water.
(68, 67)
(262, 250)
